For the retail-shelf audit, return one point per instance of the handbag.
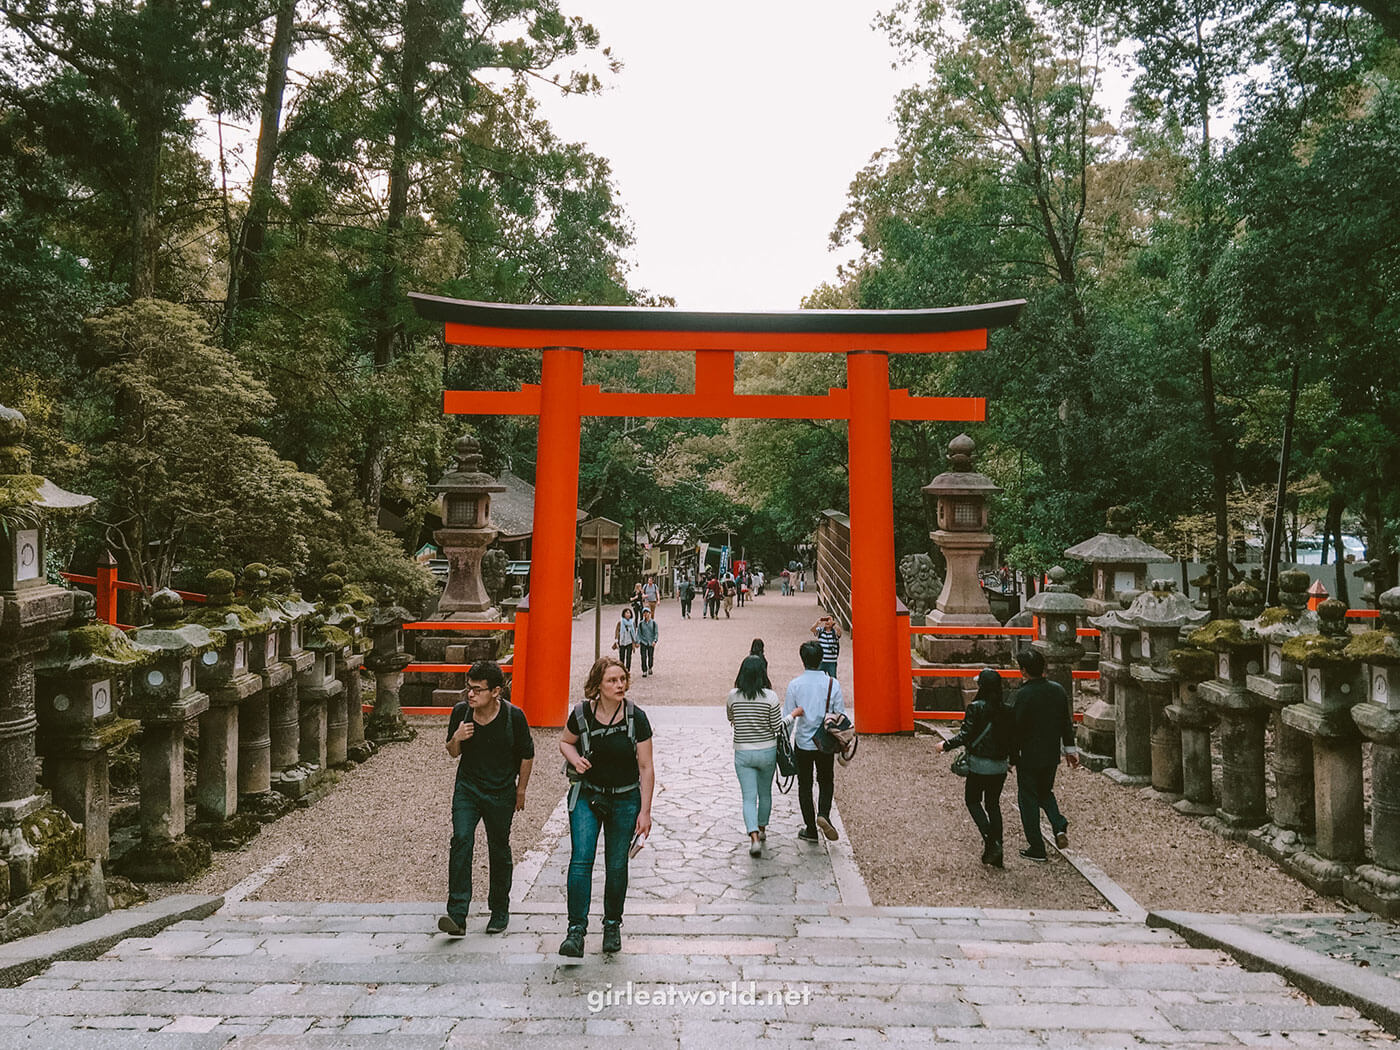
(837, 737)
(787, 761)
(962, 762)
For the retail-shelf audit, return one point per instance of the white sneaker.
(755, 848)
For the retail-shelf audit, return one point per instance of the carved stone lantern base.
(265, 806)
(46, 879)
(175, 860)
(1376, 889)
(233, 832)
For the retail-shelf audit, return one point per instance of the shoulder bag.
(837, 737)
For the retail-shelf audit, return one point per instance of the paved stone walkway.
(1362, 939)
(720, 949)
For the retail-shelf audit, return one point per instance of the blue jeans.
(615, 816)
(755, 772)
(470, 807)
(829, 668)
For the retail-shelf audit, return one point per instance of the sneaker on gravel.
(573, 943)
(808, 834)
(452, 927)
(1030, 854)
(612, 936)
(827, 828)
(1061, 840)
(498, 922)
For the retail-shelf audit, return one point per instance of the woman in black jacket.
(987, 732)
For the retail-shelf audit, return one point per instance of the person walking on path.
(729, 588)
(491, 741)
(1044, 732)
(828, 633)
(625, 637)
(756, 649)
(714, 590)
(687, 593)
(638, 602)
(811, 698)
(757, 719)
(607, 745)
(987, 733)
(651, 594)
(647, 634)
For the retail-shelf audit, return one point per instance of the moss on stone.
(323, 637)
(217, 616)
(100, 642)
(1375, 647)
(1222, 636)
(1275, 615)
(1193, 664)
(1313, 649)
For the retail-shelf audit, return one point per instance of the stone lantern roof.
(1057, 598)
(169, 634)
(1163, 607)
(89, 648)
(962, 480)
(1117, 545)
(20, 490)
(468, 477)
(1380, 647)
(1292, 617)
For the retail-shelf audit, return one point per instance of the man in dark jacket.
(1044, 732)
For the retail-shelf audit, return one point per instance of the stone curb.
(23, 958)
(1327, 980)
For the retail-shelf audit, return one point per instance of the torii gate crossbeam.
(560, 401)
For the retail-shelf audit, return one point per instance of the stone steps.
(262, 975)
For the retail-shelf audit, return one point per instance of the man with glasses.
(490, 739)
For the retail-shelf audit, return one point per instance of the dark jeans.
(1035, 790)
(470, 807)
(615, 816)
(828, 667)
(624, 653)
(982, 793)
(823, 764)
(648, 657)
(685, 608)
(712, 604)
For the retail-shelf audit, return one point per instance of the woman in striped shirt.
(756, 714)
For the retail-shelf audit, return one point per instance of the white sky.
(734, 130)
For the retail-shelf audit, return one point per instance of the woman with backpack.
(756, 715)
(607, 747)
(987, 732)
(625, 637)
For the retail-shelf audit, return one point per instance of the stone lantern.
(340, 614)
(164, 697)
(956, 505)
(255, 795)
(466, 532)
(1332, 685)
(318, 687)
(231, 675)
(1120, 646)
(1194, 720)
(1279, 684)
(40, 883)
(1118, 560)
(289, 775)
(1058, 610)
(1238, 652)
(79, 680)
(1160, 613)
(1376, 886)
(387, 659)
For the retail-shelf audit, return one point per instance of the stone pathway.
(698, 850)
(1361, 939)
(720, 949)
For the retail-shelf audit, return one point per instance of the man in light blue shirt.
(811, 696)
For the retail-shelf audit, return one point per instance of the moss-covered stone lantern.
(165, 696)
(79, 679)
(45, 878)
(1332, 686)
(1376, 886)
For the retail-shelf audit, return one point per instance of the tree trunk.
(1336, 503)
(245, 272)
(1272, 559)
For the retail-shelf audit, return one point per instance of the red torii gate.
(866, 337)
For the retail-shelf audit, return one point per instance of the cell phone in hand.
(638, 841)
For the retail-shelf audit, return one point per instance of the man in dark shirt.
(1044, 732)
(491, 741)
